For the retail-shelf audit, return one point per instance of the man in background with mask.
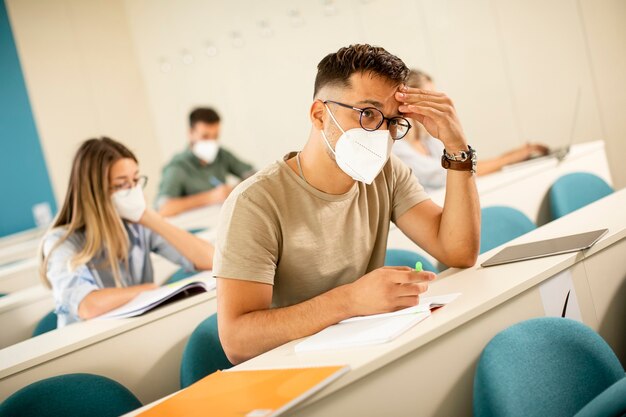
(197, 176)
(301, 245)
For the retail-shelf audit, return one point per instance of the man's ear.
(317, 114)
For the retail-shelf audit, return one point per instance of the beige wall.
(603, 22)
(513, 69)
(83, 80)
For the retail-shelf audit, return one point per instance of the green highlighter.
(418, 266)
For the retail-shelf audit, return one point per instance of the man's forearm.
(251, 334)
(459, 232)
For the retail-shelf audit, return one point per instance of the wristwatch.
(463, 161)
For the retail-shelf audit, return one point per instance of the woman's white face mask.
(129, 204)
(360, 153)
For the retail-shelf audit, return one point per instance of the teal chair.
(196, 230)
(46, 324)
(401, 257)
(549, 367)
(2, 294)
(203, 353)
(573, 191)
(76, 395)
(180, 274)
(500, 224)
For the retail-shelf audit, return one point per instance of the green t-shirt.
(186, 175)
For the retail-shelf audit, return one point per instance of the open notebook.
(148, 300)
(258, 393)
(374, 329)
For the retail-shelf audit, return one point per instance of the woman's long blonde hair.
(88, 208)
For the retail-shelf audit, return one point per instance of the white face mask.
(360, 153)
(129, 204)
(206, 150)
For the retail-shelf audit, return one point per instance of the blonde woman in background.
(96, 257)
(422, 153)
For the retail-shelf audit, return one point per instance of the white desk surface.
(20, 312)
(204, 217)
(20, 245)
(30, 353)
(524, 186)
(23, 297)
(503, 186)
(19, 275)
(482, 289)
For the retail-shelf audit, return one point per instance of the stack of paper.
(150, 299)
(374, 329)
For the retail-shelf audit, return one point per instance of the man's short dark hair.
(203, 114)
(337, 67)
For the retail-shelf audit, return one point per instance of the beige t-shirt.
(276, 229)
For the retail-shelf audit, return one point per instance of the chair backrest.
(401, 257)
(543, 367)
(46, 324)
(196, 230)
(612, 402)
(76, 395)
(500, 224)
(203, 353)
(573, 191)
(178, 275)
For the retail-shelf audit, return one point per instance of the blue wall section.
(24, 178)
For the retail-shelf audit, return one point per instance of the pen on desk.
(418, 266)
(215, 182)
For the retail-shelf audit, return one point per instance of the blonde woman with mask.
(96, 257)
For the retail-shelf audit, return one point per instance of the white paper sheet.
(426, 304)
(361, 332)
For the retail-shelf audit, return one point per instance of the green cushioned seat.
(543, 367)
(573, 191)
(203, 353)
(500, 224)
(46, 324)
(75, 395)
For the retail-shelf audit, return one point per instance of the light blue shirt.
(69, 287)
(427, 168)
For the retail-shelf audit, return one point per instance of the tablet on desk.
(565, 244)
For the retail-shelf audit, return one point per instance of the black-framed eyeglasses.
(140, 181)
(371, 119)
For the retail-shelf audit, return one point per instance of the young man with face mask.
(197, 176)
(301, 245)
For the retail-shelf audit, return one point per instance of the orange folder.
(260, 393)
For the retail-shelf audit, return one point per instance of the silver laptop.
(539, 249)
